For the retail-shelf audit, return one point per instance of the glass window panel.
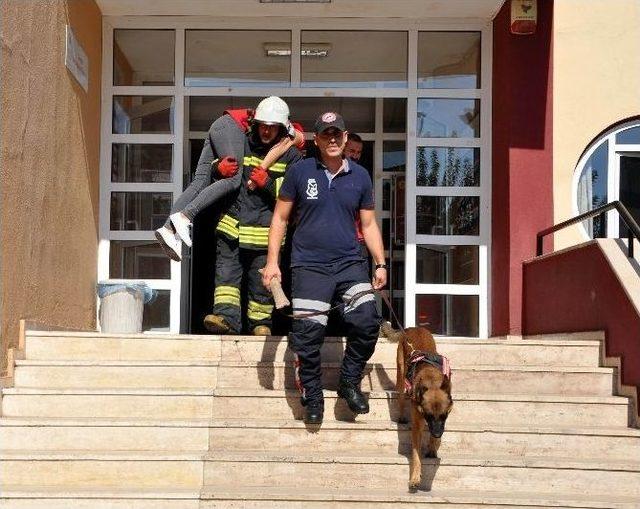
(394, 156)
(220, 58)
(141, 162)
(386, 232)
(204, 110)
(629, 136)
(386, 194)
(138, 259)
(629, 189)
(142, 114)
(397, 275)
(143, 57)
(139, 211)
(448, 118)
(448, 215)
(592, 189)
(354, 59)
(436, 264)
(394, 115)
(189, 173)
(156, 313)
(359, 113)
(448, 315)
(449, 60)
(447, 166)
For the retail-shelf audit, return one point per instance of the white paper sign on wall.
(76, 60)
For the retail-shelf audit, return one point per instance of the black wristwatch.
(380, 266)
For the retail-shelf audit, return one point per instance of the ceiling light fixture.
(312, 50)
(295, 1)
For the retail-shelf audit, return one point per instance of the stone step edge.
(590, 339)
(118, 363)
(65, 422)
(282, 393)
(363, 458)
(455, 367)
(279, 364)
(17, 491)
(537, 499)
(261, 493)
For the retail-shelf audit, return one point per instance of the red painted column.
(522, 176)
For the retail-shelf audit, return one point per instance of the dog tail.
(387, 331)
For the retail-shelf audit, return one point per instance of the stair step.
(467, 351)
(73, 469)
(565, 350)
(570, 381)
(330, 471)
(274, 497)
(87, 374)
(95, 346)
(578, 381)
(92, 497)
(108, 402)
(200, 434)
(511, 409)
(257, 497)
(69, 469)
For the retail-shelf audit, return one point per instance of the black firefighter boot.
(353, 396)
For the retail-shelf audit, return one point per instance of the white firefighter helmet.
(272, 110)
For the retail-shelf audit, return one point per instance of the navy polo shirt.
(326, 211)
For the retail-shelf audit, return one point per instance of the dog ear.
(446, 384)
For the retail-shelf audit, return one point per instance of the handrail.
(632, 226)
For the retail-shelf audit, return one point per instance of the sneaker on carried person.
(261, 330)
(169, 243)
(216, 324)
(181, 224)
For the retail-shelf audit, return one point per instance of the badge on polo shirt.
(312, 189)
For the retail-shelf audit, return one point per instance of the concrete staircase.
(108, 421)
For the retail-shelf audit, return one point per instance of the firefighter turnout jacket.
(249, 217)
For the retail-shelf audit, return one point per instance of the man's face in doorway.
(353, 150)
(268, 133)
(331, 142)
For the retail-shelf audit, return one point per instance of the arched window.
(610, 170)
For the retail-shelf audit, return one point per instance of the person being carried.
(224, 147)
(242, 233)
(327, 194)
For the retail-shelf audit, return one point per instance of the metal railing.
(632, 227)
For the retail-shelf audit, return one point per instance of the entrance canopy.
(476, 9)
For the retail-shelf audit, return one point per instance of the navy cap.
(327, 120)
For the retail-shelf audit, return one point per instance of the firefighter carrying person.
(327, 194)
(242, 232)
(217, 175)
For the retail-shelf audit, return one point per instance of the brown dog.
(424, 376)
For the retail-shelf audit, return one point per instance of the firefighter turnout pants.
(317, 288)
(232, 262)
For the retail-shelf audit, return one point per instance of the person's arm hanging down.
(277, 231)
(373, 240)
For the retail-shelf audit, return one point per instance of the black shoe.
(353, 396)
(314, 413)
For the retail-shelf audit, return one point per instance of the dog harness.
(417, 357)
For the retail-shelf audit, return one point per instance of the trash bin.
(122, 305)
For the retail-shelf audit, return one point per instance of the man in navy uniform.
(327, 195)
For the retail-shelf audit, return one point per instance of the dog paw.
(414, 486)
